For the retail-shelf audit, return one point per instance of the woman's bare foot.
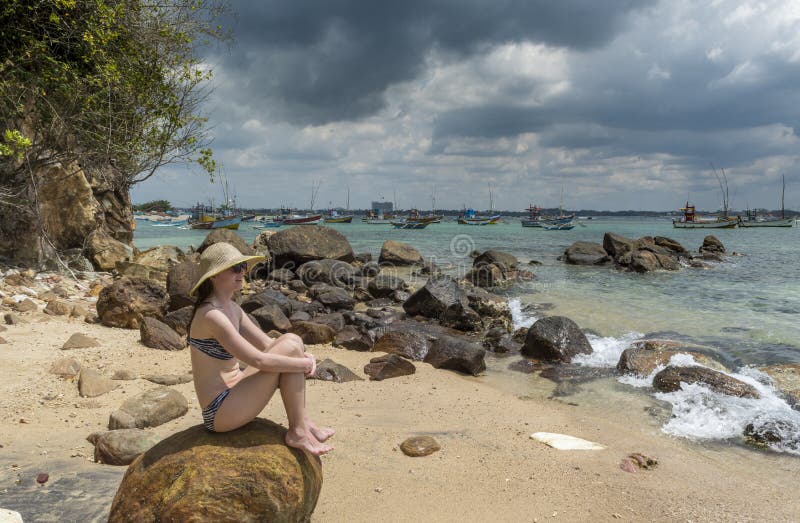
(305, 440)
(322, 434)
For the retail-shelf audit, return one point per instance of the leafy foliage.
(154, 206)
(112, 82)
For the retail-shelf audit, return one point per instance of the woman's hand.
(313, 364)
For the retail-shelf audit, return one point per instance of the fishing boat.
(214, 222)
(559, 227)
(375, 217)
(402, 224)
(333, 215)
(752, 219)
(266, 225)
(171, 223)
(690, 220)
(537, 219)
(469, 217)
(415, 217)
(301, 219)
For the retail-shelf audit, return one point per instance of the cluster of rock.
(645, 254)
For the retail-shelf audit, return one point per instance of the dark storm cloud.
(319, 61)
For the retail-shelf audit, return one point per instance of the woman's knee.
(291, 345)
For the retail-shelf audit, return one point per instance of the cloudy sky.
(623, 103)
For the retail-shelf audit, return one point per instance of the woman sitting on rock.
(221, 336)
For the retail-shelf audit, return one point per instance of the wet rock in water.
(65, 367)
(712, 245)
(178, 320)
(124, 302)
(26, 305)
(399, 254)
(121, 447)
(91, 384)
(314, 333)
(786, 378)
(670, 244)
(555, 338)
(352, 339)
(227, 236)
(388, 366)
(442, 299)
(271, 317)
(248, 474)
(267, 297)
(58, 308)
(409, 344)
(329, 370)
(419, 446)
(158, 335)
(149, 409)
(124, 375)
(498, 341)
(586, 253)
(505, 261)
(644, 356)
(281, 275)
(765, 433)
(520, 334)
(616, 245)
(180, 280)
(670, 379)
(385, 285)
(168, 379)
(449, 352)
(80, 341)
(295, 246)
(486, 275)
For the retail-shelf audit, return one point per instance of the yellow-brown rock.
(244, 475)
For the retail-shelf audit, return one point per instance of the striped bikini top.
(210, 347)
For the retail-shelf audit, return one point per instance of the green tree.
(154, 206)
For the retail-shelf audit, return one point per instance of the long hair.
(203, 292)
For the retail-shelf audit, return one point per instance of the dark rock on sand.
(419, 446)
(180, 280)
(248, 474)
(336, 298)
(227, 236)
(267, 297)
(352, 339)
(91, 384)
(281, 276)
(80, 341)
(65, 367)
(295, 246)
(399, 254)
(449, 352)
(300, 316)
(335, 320)
(329, 370)
(586, 253)
(388, 366)
(121, 447)
(555, 338)
(670, 379)
(168, 379)
(270, 316)
(58, 308)
(179, 320)
(385, 285)
(158, 335)
(410, 344)
(124, 302)
(333, 272)
(149, 409)
(441, 298)
(313, 333)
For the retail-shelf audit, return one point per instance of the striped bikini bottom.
(210, 412)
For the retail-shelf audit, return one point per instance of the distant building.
(382, 207)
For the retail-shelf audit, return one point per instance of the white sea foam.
(518, 317)
(606, 350)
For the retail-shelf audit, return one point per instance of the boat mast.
(783, 193)
(491, 201)
(314, 190)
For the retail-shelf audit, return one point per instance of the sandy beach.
(488, 468)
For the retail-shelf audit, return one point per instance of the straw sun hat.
(218, 257)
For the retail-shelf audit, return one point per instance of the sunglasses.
(240, 268)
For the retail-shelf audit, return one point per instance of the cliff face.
(82, 212)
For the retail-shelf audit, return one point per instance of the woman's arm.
(223, 331)
(253, 333)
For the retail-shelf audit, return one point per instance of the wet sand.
(488, 468)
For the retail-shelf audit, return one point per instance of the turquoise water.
(748, 307)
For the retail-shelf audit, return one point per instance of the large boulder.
(332, 272)
(352, 339)
(616, 245)
(441, 298)
(786, 377)
(179, 320)
(449, 352)
(268, 297)
(161, 258)
(126, 301)
(336, 298)
(314, 333)
(105, 251)
(398, 253)
(137, 270)
(586, 253)
(410, 344)
(329, 370)
(556, 339)
(644, 356)
(271, 317)
(149, 409)
(384, 285)
(158, 335)
(227, 236)
(711, 244)
(295, 246)
(248, 474)
(388, 366)
(670, 379)
(503, 260)
(260, 244)
(121, 447)
(670, 244)
(486, 275)
(91, 384)
(180, 280)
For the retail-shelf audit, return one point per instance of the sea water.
(746, 307)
